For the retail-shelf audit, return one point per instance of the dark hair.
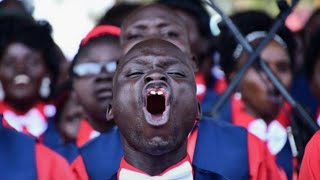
(117, 13)
(83, 49)
(14, 7)
(34, 34)
(195, 9)
(247, 22)
(312, 54)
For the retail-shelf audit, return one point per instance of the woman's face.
(261, 97)
(21, 72)
(94, 90)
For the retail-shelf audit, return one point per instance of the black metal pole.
(233, 84)
(303, 115)
(285, 11)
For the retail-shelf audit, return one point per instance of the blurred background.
(72, 19)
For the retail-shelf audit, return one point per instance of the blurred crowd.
(57, 110)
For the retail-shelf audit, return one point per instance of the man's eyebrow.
(137, 59)
(139, 26)
(170, 60)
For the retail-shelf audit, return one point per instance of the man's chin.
(158, 146)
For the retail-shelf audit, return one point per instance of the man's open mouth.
(156, 106)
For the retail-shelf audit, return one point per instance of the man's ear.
(199, 114)
(109, 114)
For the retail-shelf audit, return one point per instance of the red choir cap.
(101, 30)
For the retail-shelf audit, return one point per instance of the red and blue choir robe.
(215, 146)
(311, 160)
(53, 139)
(39, 122)
(69, 150)
(274, 134)
(22, 157)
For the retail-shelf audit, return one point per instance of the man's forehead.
(154, 11)
(158, 49)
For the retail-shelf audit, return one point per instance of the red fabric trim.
(242, 118)
(6, 124)
(51, 165)
(283, 116)
(239, 115)
(220, 85)
(101, 30)
(79, 169)
(191, 146)
(85, 130)
(261, 163)
(311, 160)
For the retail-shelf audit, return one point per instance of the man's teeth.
(21, 79)
(156, 92)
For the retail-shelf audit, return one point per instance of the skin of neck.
(22, 106)
(100, 124)
(153, 165)
(267, 118)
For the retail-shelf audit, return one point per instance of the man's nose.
(155, 76)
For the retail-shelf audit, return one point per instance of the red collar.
(239, 115)
(84, 133)
(242, 118)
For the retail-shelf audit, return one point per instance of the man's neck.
(153, 165)
(22, 106)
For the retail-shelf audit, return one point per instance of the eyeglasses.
(91, 69)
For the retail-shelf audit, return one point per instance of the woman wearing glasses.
(92, 71)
